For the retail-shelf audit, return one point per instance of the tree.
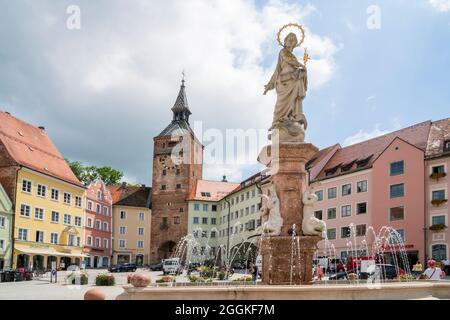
(86, 174)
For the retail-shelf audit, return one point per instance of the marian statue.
(290, 83)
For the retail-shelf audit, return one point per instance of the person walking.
(254, 272)
(417, 269)
(446, 266)
(432, 272)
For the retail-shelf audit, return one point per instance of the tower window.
(164, 172)
(163, 187)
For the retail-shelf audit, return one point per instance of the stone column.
(287, 259)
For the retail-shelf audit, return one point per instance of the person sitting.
(432, 272)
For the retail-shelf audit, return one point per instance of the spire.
(181, 108)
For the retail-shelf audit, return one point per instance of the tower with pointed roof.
(177, 165)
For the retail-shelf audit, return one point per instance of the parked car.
(238, 265)
(156, 266)
(126, 267)
(172, 266)
(383, 271)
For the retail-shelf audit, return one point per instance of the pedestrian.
(417, 269)
(254, 271)
(446, 265)
(432, 272)
(319, 272)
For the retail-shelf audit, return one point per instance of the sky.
(102, 75)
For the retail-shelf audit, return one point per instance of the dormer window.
(206, 194)
(330, 172)
(347, 166)
(363, 162)
(447, 146)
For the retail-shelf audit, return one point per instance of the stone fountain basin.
(386, 291)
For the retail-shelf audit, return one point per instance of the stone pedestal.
(288, 260)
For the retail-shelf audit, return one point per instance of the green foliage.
(166, 279)
(221, 275)
(197, 279)
(86, 174)
(77, 277)
(105, 280)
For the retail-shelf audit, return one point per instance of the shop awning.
(49, 252)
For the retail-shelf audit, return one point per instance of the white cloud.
(440, 5)
(117, 77)
(364, 135)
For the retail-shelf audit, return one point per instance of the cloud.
(440, 5)
(364, 135)
(106, 90)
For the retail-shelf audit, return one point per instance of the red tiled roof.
(132, 196)
(31, 147)
(416, 135)
(216, 189)
(439, 134)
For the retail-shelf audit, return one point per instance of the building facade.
(6, 221)
(47, 197)
(98, 225)
(177, 165)
(132, 217)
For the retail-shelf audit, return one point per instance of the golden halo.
(291, 25)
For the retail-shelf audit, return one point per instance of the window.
(253, 193)
(346, 211)
(361, 208)
(121, 243)
(67, 198)
(438, 220)
(196, 206)
(397, 190)
(177, 172)
(438, 195)
(195, 220)
(40, 236)
(140, 244)
(23, 234)
(252, 209)
(213, 234)
(2, 222)
(241, 213)
(89, 222)
(39, 214)
(204, 220)
(176, 220)
(396, 213)
(141, 216)
(163, 187)
(397, 168)
(98, 208)
(78, 201)
(105, 211)
(90, 205)
(331, 193)
(98, 225)
(205, 194)
(78, 221)
(97, 242)
(242, 197)
(89, 241)
(319, 195)
(331, 234)
(2, 244)
(439, 251)
(214, 208)
(123, 215)
(55, 194)
(345, 232)
(25, 210)
(438, 169)
(205, 207)
(67, 218)
(346, 189)
(26, 186)
(178, 186)
(318, 214)
(213, 221)
(397, 237)
(41, 190)
(105, 226)
(54, 238)
(360, 230)
(99, 195)
(204, 234)
(331, 213)
(164, 172)
(105, 243)
(140, 231)
(122, 230)
(361, 186)
(247, 211)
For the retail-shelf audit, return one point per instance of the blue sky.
(105, 90)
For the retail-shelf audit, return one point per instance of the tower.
(177, 165)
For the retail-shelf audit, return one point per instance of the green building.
(6, 216)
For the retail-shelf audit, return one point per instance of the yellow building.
(48, 198)
(132, 224)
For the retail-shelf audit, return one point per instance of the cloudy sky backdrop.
(105, 90)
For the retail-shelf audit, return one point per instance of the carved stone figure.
(311, 226)
(270, 213)
(290, 82)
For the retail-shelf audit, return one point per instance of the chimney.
(143, 185)
(224, 179)
(42, 128)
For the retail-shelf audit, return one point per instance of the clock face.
(167, 164)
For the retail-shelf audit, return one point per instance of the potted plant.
(437, 175)
(106, 279)
(438, 227)
(77, 277)
(438, 202)
(139, 280)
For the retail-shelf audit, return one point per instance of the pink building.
(380, 182)
(98, 225)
